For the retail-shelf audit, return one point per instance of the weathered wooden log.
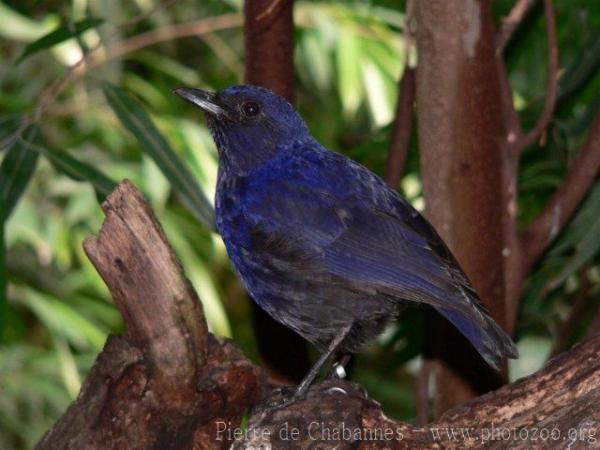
(167, 382)
(555, 408)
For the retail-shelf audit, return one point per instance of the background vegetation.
(85, 101)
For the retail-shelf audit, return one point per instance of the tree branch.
(552, 89)
(567, 327)
(511, 22)
(269, 42)
(594, 328)
(92, 59)
(400, 140)
(423, 379)
(153, 37)
(402, 131)
(559, 209)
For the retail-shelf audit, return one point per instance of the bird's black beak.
(203, 99)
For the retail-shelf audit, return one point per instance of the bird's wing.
(404, 258)
(356, 229)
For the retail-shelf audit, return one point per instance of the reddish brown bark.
(269, 38)
(578, 306)
(514, 143)
(401, 133)
(460, 133)
(556, 214)
(511, 22)
(552, 90)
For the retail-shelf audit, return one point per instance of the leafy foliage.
(156, 146)
(59, 35)
(16, 170)
(115, 118)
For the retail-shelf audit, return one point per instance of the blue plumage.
(319, 241)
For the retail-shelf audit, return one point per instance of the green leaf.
(54, 314)
(316, 60)
(377, 97)
(68, 367)
(16, 170)
(154, 144)
(582, 235)
(581, 70)
(8, 127)
(3, 276)
(59, 35)
(350, 86)
(78, 170)
(21, 27)
(583, 222)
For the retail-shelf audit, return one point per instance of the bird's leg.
(339, 367)
(314, 371)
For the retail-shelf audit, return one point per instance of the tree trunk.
(169, 384)
(460, 135)
(269, 39)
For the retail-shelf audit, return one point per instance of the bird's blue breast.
(232, 222)
(245, 203)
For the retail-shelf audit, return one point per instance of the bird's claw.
(285, 398)
(333, 389)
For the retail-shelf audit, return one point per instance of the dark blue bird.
(320, 242)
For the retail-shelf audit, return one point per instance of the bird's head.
(249, 124)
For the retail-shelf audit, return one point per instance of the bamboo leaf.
(583, 222)
(582, 70)
(20, 27)
(377, 98)
(349, 83)
(154, 144)
(54, 314)
(3, 276)
(582, 237)
(78, 170)
(59, 35)
(316, 60)
(16, 170)
(68, 367)
(9, 124)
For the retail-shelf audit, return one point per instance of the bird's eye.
(251, 109)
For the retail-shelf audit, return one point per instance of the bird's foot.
(338, 390)
(282, 398)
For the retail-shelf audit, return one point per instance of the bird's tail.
(484, 333)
